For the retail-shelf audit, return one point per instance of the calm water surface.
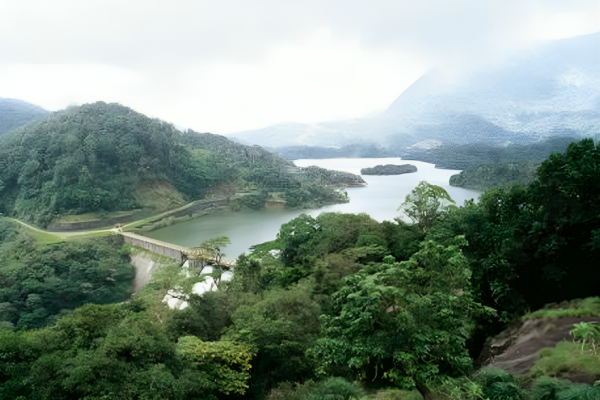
(380, 199)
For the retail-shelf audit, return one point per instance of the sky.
(225, 66)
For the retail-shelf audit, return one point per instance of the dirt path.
(63, 235)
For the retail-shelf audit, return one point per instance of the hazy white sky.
(230, 65)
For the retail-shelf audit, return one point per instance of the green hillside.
(15, 113)
(503, 174)
(462, 156)
(338, 306)
(107, 157)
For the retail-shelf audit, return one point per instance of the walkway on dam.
(179, 253)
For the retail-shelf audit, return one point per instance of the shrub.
(498, 384)
(331, 389)
(588, 307)
(547, 388)
(564, 358)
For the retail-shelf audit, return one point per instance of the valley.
(446, 247)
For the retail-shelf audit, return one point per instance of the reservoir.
(380, 199)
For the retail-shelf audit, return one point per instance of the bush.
(331, 389)
(564, 358)
(254, 201)
(395, 394)
(547, 388)
(589, 307)
(39, 283)
(498, 384)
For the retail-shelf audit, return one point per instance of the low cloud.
(231, 65)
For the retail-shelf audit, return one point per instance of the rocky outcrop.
(389, 169)
(516, 349)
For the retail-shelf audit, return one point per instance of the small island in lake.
(389, 170)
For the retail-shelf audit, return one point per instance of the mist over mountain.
(550, 90)
(15, 113)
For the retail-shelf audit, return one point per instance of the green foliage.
(461, 388)
(329, 177)
(505, 174)
(403, 239)
(38, 283)
(534, 245)
(547, 388)
(290, 391)
(205, 316)
(305, 236)
(329, 389)
(567, 357)
(338, 295)
(588, 307)
(498, 384)
(314, 195)
(280, 327)
(107, 157)
(305, 242)
(225, 363)
(254, 201)
(214, 247)
(91, 158)
(395, 394)
(116, 352)
(587, 332)
(463, 156)
(335, 389)
(248, 275)
(405, 323)
(425, 204)
(369, 239)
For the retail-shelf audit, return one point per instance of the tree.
(405, 323)
(425, 203)
(280, 327)
(534, 245)
(227, 364)
(214, 248)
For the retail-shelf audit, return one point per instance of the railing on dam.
(179, 253)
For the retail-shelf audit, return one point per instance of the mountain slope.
(107, 157)
(550, 90)
(15, 113)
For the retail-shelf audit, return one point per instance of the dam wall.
(179, 253)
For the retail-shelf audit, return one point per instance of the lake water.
(380, 199)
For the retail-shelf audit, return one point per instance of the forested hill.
(107, 157)
(15, 113)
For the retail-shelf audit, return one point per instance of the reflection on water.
(380, 199)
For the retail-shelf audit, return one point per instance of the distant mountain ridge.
(552, 90)
(15, 113)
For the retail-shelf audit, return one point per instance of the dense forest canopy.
(38, 283)
(337, 306)
(104, 157)
(500, 174)
(462, 156)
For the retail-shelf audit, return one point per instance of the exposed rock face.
(389, 170)
(516, 349)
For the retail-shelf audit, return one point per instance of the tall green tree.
(403, 323)
(534, 245)
(425, 204)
